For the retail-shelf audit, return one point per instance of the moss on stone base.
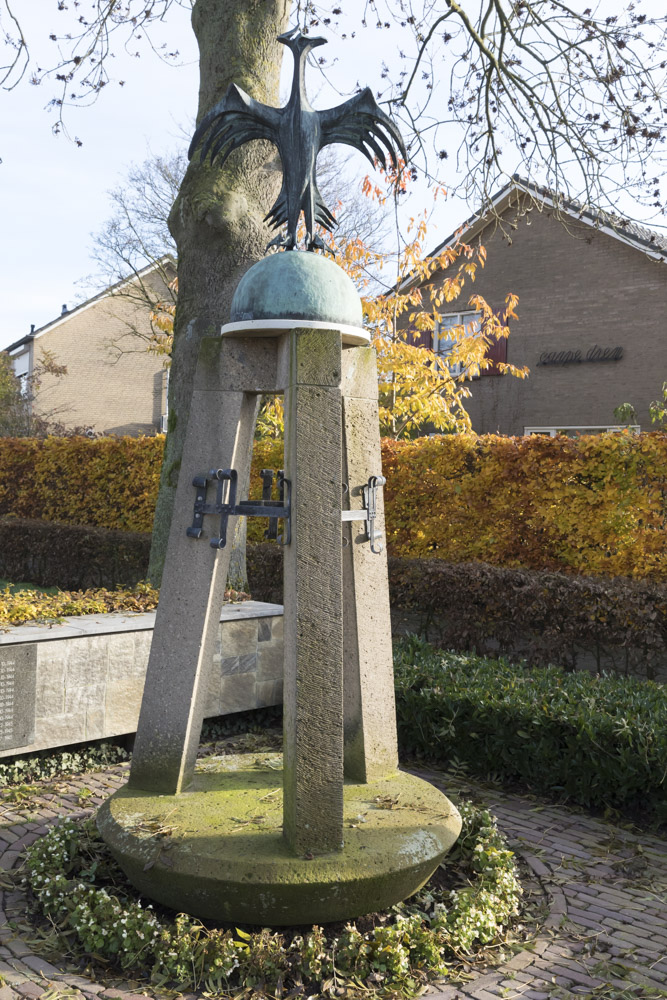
(217, 850)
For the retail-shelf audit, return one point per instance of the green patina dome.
(296, 288)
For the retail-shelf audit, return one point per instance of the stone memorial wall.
(84, 679)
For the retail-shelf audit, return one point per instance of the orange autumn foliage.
(594, 505)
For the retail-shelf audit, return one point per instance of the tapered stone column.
(369, 709)
(219, 435)
(313, 615)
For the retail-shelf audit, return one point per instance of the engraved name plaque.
(18, 675)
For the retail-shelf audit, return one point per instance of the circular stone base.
(217, 851)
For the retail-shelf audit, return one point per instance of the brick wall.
(577, 288)
(112, 383)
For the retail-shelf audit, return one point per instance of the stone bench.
(83, 679)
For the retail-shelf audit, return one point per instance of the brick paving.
(605, 889)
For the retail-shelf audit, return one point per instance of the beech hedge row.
(544, 617)
(71, 556)
(595, 506)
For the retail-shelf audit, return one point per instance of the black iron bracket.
(369, 512)
(225, 505)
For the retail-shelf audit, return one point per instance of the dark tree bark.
(217, 218)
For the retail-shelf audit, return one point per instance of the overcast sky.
(53, 193)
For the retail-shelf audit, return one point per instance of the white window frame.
(22, 369)
(443, 346)
(553, 430)
(164, 417)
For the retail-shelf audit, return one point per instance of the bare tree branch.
(13, 72)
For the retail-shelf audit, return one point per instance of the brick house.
(592, 311)
(113, 385)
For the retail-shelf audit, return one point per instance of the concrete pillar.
(369, 709)
(313, 616)
(219, 435)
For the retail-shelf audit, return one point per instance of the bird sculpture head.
(299, 43)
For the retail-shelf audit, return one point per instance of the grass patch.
(15, 588)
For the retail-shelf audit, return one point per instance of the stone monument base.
(217, 851)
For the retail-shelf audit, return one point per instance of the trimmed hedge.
(595, 741)
(618, 625)
(595, 505)
(70, 556)
(108, 482)
(79, 557)
(544, 617)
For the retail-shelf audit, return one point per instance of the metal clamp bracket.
(225, 505)
(369, 512)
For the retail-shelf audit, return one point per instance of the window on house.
(575, 431)
(21, 366)
(164, 418)
(443, 336)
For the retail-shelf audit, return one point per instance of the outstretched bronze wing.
(361, 123)
(234, 120)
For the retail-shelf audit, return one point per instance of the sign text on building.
(576, 357)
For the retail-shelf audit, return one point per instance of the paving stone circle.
(605, 934)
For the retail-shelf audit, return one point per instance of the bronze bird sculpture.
(299, 132)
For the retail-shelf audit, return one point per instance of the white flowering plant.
(75, 883)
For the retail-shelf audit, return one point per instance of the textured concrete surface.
(605, 935)
(229, 861)
(313, 617)
(238, 362)
(219, 436)
(369, 709)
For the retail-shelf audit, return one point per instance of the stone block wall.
(83, 680)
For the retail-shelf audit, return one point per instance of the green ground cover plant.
(47, 764)
(77, 887)
(597, 741)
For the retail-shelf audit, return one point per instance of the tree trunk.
(216, 219)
